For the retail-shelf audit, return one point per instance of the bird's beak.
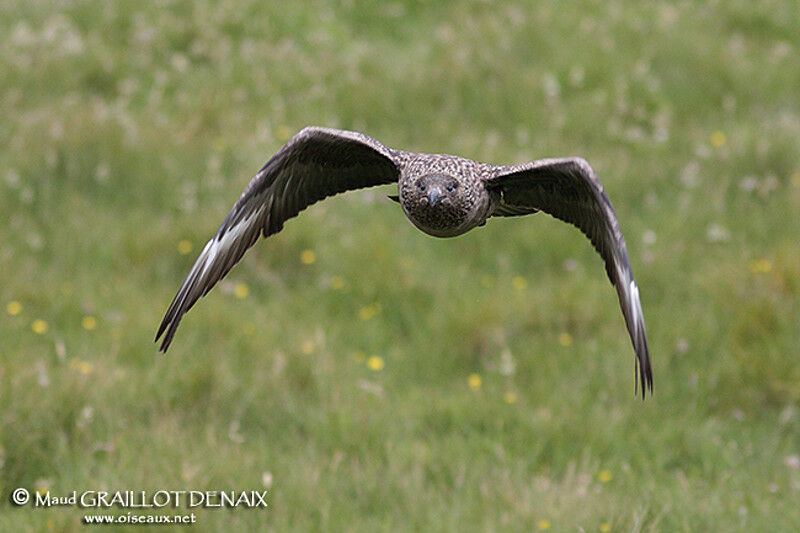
(434, 197)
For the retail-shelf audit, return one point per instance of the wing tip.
(171, 319)
(167, 328)
(643, 367)
(167, 340)
(644, 371)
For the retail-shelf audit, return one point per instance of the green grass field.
(372, 378)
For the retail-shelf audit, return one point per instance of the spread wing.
(314, 164)
(569, 190)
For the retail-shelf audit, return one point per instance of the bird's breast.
(439, 221)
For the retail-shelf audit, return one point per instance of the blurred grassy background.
(371, 377)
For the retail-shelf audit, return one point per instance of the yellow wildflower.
(375, 363)
(760, 266)
(184, 246)
(565, 339)
(337, 283)
(241, 291)
(718, 139)
(307, 257)
(474, 381)
(369, 311)
(283, 133)
(543, 524)
(510, 397)
(89, 322)
(605, 476)
(42, 487)
(39, 326)
(307, 347)
(84, 367)
(605, 527)
(519, 283)
(14, 307)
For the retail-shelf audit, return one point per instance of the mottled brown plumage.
(442, 195)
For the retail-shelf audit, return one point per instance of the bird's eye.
(450, 187)
(421, 186)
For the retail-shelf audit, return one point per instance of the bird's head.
(437, 203)
(437, 191)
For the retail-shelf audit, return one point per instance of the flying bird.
(442, 195)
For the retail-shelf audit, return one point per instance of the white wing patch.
(221, 246)
(636, 306)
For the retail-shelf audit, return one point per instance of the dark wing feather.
(314, 164)
(569, 190)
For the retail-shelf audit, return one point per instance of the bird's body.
(445, 195)
(442, 195)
